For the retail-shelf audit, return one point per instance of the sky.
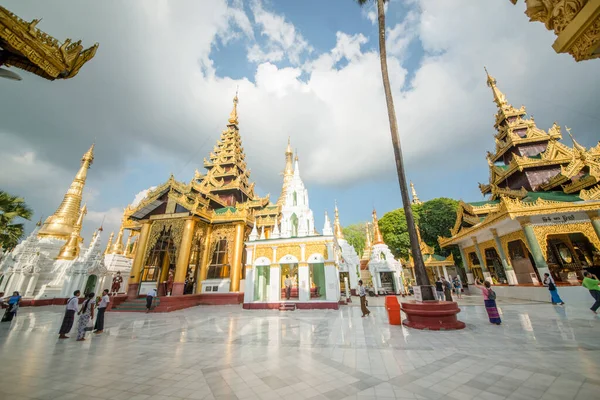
(159, 91)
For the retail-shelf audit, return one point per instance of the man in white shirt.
(149, 297)
(99, 327)
(288, 287)
(362, 293)
(69, 318)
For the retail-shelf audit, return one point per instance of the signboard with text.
(418, 295)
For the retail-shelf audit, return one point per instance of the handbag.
(90, 326)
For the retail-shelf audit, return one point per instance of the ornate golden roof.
(415, 198)
(377, 238)
(26, 47)
(60, 224)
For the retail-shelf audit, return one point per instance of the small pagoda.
(24, 46)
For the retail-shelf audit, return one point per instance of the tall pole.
(420, 273)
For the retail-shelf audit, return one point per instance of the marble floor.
(223, 352)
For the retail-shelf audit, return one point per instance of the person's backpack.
(491, 294)
(551, 286)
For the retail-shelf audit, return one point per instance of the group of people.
(444, 288)
(86, 315)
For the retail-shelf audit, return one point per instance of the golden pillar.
(205, 259)
(236, 270)
(184, 257)
(138, 261)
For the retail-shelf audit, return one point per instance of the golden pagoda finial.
(126, 252)
(289, 147)
(39, 223)
(377, 238)
(109, 244)
(499, 97)
(337, 227)
(415, 198)
(70, 250)
(233, 116)
(117, 247)
(60, 225)
(581, 150)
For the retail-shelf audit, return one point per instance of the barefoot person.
(69, 318)
(85, 316)
(549, 283)
(591, 282)
(12, 305)
(149, 297)
(489, 299)
(363, 299)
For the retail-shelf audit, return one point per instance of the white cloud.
(141, 196)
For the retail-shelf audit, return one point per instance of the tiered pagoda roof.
(531, 171)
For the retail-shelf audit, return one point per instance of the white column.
(398, 284)
(445, 272)
(332, 292)
(249, 289)
(275, 283)
(352, 274)
(303, 282)
(346, 285)
(21, 281)
(487, 276)
(470, 278)
(374, 281)
(511, 277)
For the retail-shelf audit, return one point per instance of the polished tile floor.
(540, 352)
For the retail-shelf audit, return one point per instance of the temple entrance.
(90, 284)
(261, 282)
(290, 270)
(494, 266)
(160, 261)
(521, 262)
(568, 255)
(193, 270)
(387, 282)
(317, 280)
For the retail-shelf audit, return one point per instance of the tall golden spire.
(70, 250)
(109, 244)
(499, 97)
(337, 228)
(126, 251)
(117, 247)
(233, 116)
(377, 238)
(288, 172)
(415, 198)
(60, 225)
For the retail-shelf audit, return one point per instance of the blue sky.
(157, 95)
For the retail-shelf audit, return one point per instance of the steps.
(136, 305)
(287, 307)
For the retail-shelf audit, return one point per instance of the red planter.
(432, 315)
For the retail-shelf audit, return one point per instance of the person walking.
(554, 297)
(439, 289)
(447, 289)
(99, 327)
(12, 305)
(86, 314)
(116, 283)
(288, 287)
(457, 287)
(591, 282)
(363, 299)
(489, 299)
(69, 318)
(149, 298)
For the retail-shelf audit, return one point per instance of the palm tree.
(12, 208)
(420, 273)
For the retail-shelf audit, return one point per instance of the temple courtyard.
(223, 352)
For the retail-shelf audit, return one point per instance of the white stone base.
(511, 277)
(216, 285)
(569, 294)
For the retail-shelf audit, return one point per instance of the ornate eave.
(576, 24)
(498, 192)
(533, 135)
(26, 47)
(591, 194)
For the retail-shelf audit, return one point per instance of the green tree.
(12, 209)
(421, 274)
(394, 230)
(356, 236)
(436, 218)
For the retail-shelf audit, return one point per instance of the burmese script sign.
(418, 295)
(559, 219)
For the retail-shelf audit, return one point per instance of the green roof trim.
(483, 203)
(225, 209)
(552, 196)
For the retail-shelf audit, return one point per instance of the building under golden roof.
(543, 208)
(24, 46)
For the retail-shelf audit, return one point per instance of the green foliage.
(395, 231)
(12, 208)
(356, 236)
(436, 218)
